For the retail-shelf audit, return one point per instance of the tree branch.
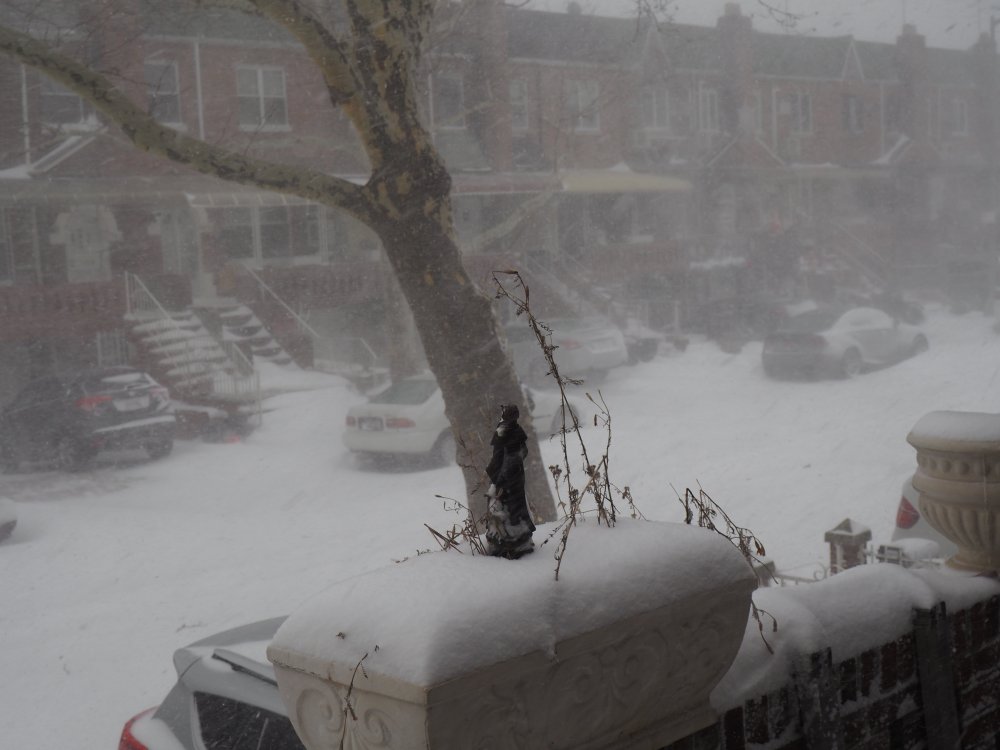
(149, 136)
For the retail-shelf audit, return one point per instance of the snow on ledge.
(957, 426)
(445, 614)
(851, 612)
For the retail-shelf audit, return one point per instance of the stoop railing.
(238, 381)
(325, 349)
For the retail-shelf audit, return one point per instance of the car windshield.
(111, 380)
(406, 392)
(813, 321)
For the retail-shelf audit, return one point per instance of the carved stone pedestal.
(958, 478)
(638, 679)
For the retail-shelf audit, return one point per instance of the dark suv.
(72, 417)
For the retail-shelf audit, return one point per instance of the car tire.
(72, 455)
(850, 364)
(159, 448)
(919, 346)
(444, 450)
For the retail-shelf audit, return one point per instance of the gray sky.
(945, 23)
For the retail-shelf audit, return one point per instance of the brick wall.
(936, 686)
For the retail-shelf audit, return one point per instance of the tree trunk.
(460, 336)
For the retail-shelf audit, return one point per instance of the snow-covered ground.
(109, 571)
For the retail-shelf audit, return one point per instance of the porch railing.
(237, 381)
(326, 349)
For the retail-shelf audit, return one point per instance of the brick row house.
(655, 164)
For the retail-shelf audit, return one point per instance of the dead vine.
(709, 514)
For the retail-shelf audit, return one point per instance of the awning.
(621, 181)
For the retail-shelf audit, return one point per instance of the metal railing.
(325, 348)
(237, 381)
(863, 257)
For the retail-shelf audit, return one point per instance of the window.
(312, 237)
(958, 118)
(236, 232)
(447, 101)
(518, 104)
(796, 107)
(261, 93)
(61, 106)
(655, 107)
(275, 235)
(708, 110)
(582, 105)
(853, 111)
(162, 90)
(263, 233)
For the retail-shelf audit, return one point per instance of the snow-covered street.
(110, 570)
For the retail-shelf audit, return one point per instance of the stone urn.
(958, 478)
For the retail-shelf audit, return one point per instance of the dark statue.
(509, 520)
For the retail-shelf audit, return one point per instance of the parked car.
(585, 347)
(832, 341)
(225, 697)
(910, 525)
(8, 518)
(72, 417)
(408, 418)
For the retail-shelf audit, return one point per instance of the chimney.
(736, 40)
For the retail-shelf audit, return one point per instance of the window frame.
(801, 116)
(853, 114)
(49, 91)
(708, 110)
(153, 94)
(583, 105)
(459, 121)
(261, 99)
(519, 124)
(654, 109)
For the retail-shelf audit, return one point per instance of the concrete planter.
(958, 478)
(640, 681)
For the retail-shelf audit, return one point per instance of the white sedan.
(407, 418)
(843, 343)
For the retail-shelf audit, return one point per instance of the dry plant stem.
(348, 708)
(743, 539)
(598, 484)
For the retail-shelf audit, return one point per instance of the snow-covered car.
(225, 697)
(585, 347)
(408, 418)
(832, 341)
(71, 417)
(912, 528)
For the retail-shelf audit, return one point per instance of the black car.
(72, 417)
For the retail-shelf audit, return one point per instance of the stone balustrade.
(459, 651)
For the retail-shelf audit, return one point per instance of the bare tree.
(367, 59)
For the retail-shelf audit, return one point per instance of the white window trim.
(708, 94)
(523, 85)
(656, 128)
(456, 125)
(263, 127)
(579, 92)
(177, 93)
(88, 121)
